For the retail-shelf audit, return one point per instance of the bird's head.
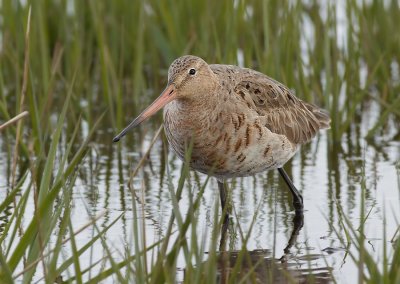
(189, 77)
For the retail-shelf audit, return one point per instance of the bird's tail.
(322, 116)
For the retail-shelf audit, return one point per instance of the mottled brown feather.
(241, 121)
(279, 109)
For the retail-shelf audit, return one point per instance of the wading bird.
(240, 121)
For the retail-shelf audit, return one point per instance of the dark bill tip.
(133, 124)
(166, 96)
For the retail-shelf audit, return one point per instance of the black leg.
(224, 233)
(223, 195)
(226, 211)
(297, 198)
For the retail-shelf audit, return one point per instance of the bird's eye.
(192, 71)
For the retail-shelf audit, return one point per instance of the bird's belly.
(227, 157)
(246, 162)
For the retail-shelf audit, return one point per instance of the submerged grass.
(386, 269)
(71, 63)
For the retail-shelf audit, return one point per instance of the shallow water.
(330, 176)
(333, 176)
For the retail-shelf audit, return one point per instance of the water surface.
(331, 176)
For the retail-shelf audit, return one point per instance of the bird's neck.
(194, 112)
(199, 103)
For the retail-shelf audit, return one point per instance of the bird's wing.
(280, 110)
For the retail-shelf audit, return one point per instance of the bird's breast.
(186, 130)
(225, 144)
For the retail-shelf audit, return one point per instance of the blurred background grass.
(119, 52)
(88, 58)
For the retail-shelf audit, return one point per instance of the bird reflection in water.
(264, 267)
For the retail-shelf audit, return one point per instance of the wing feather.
(282, 112)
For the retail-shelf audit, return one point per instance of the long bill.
(166, 96)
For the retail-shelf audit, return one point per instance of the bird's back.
(278, 108)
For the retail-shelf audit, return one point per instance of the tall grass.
(123, 48)
(96, 63)
(386, 269)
